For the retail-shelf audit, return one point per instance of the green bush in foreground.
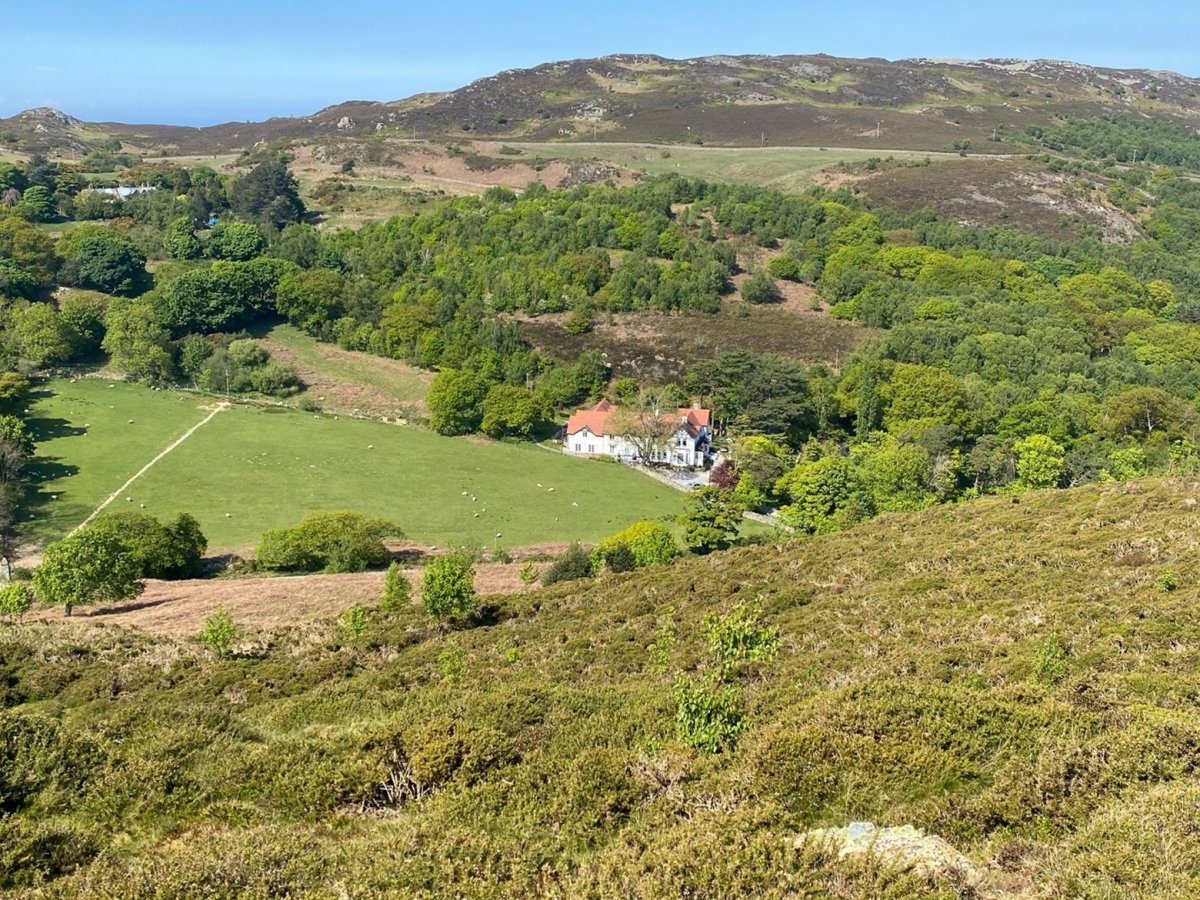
(648, 543)
(219, 632)
(448, 587)
(15, 600)
(396, 589)
(572, 564)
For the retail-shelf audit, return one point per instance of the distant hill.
(917, 104)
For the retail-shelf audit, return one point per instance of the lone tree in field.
(90, 566)
(448, 587)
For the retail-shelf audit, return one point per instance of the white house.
(594, 432)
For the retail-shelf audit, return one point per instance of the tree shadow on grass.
(127, 607)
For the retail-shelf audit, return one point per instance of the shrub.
(158, 551)
(1166, 582)
(16, 599)
(737, 637)
(529, 572)
(619, 558)
(707, 715)
(1050, 661)
(354, 623)
(574, 563)
(760, 288)
(219, 632)
(649, 543)
(336, 541)
(396, 589)
(448, 587)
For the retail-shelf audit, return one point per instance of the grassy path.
(144, 469)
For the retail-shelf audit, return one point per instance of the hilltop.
(1014, 674)
(816, 100)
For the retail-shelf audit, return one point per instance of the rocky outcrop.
(904, 847)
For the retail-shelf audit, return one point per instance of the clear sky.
(177, 62)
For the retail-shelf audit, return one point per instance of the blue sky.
(202, 63)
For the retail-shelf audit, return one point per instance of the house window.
(577, 447)
(591, 448)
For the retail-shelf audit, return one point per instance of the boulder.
(905, 847)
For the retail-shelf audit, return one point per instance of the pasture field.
(785, 168)
(345, 380)
(253, 468)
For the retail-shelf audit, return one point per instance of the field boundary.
(223, 405)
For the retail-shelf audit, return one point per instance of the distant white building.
(597, 432)
(123, 192)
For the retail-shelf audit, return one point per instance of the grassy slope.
(907, 690)
(80, 467)
(785, 168)
(267, 466)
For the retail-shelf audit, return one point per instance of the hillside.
(916, 104)
(1014, 674)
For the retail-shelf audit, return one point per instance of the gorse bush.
(572, 564)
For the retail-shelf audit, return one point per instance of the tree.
(106, 261)
(16, 599)
(41, 336)
(333, 540)
(268, 193)
(89, 566)
(30, 250)
(455, 401)
(158, 550)
(16, 284)
(310, 298)
(510, 410)
(238, 241)
(219, 632)
(817, 489)
(180, 241)
(396, 589)
(1143, 412)
(137, 344)
(711, 519)
(1039, 461)
(37, 204)
(448, 587)
(83, 314)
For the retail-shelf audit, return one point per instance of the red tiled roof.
(595, 419)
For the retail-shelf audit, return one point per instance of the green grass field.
(786, 168)
(267, 467)
(397, 381)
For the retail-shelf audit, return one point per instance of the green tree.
(396, 589)
(310, 299)
(448, 587)
(105, 261)
(29, 249)
(817, 489)
(37, 204)
(180, 241)
(89, 566)
(649, 544)
(137, 344)
(16, 599)
(237, 241)
(1039, 461)
(510, 410)
(41, 336)
(159, 550)
(268, 193)
(455, 401)
(333, 540)
(219, 633)
(711, 519)
(83, 313)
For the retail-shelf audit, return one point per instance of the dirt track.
(177, 608)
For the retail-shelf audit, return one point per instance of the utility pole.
(763, 136)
